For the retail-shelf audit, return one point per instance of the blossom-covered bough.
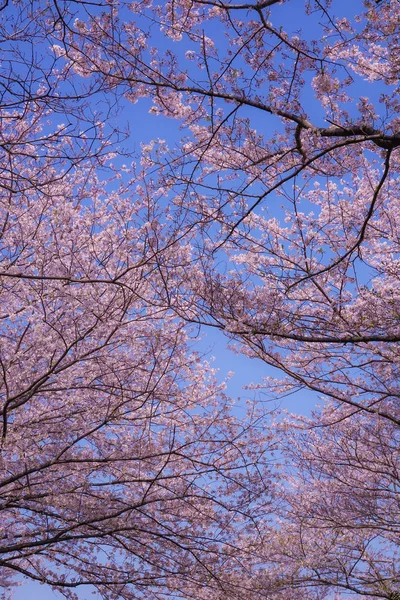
(122, 466)
(273, 216)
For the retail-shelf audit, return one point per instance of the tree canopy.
(270, 213)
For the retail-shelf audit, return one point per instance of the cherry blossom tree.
(122, 465)
(288, 170)
(295, 197)
(274, 219)
(341, 523)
